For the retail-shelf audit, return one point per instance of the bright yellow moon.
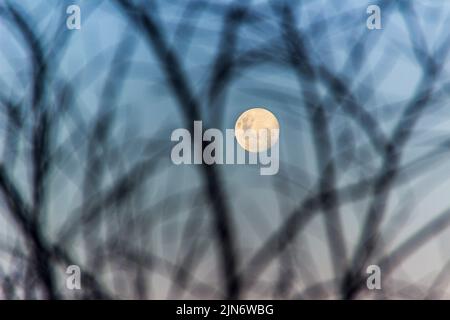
(256, 120)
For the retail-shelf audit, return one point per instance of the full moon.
(253, 121)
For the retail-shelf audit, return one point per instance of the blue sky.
(147, 103)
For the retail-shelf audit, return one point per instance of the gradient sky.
(147, 105)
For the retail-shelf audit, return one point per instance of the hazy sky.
(147, 104)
